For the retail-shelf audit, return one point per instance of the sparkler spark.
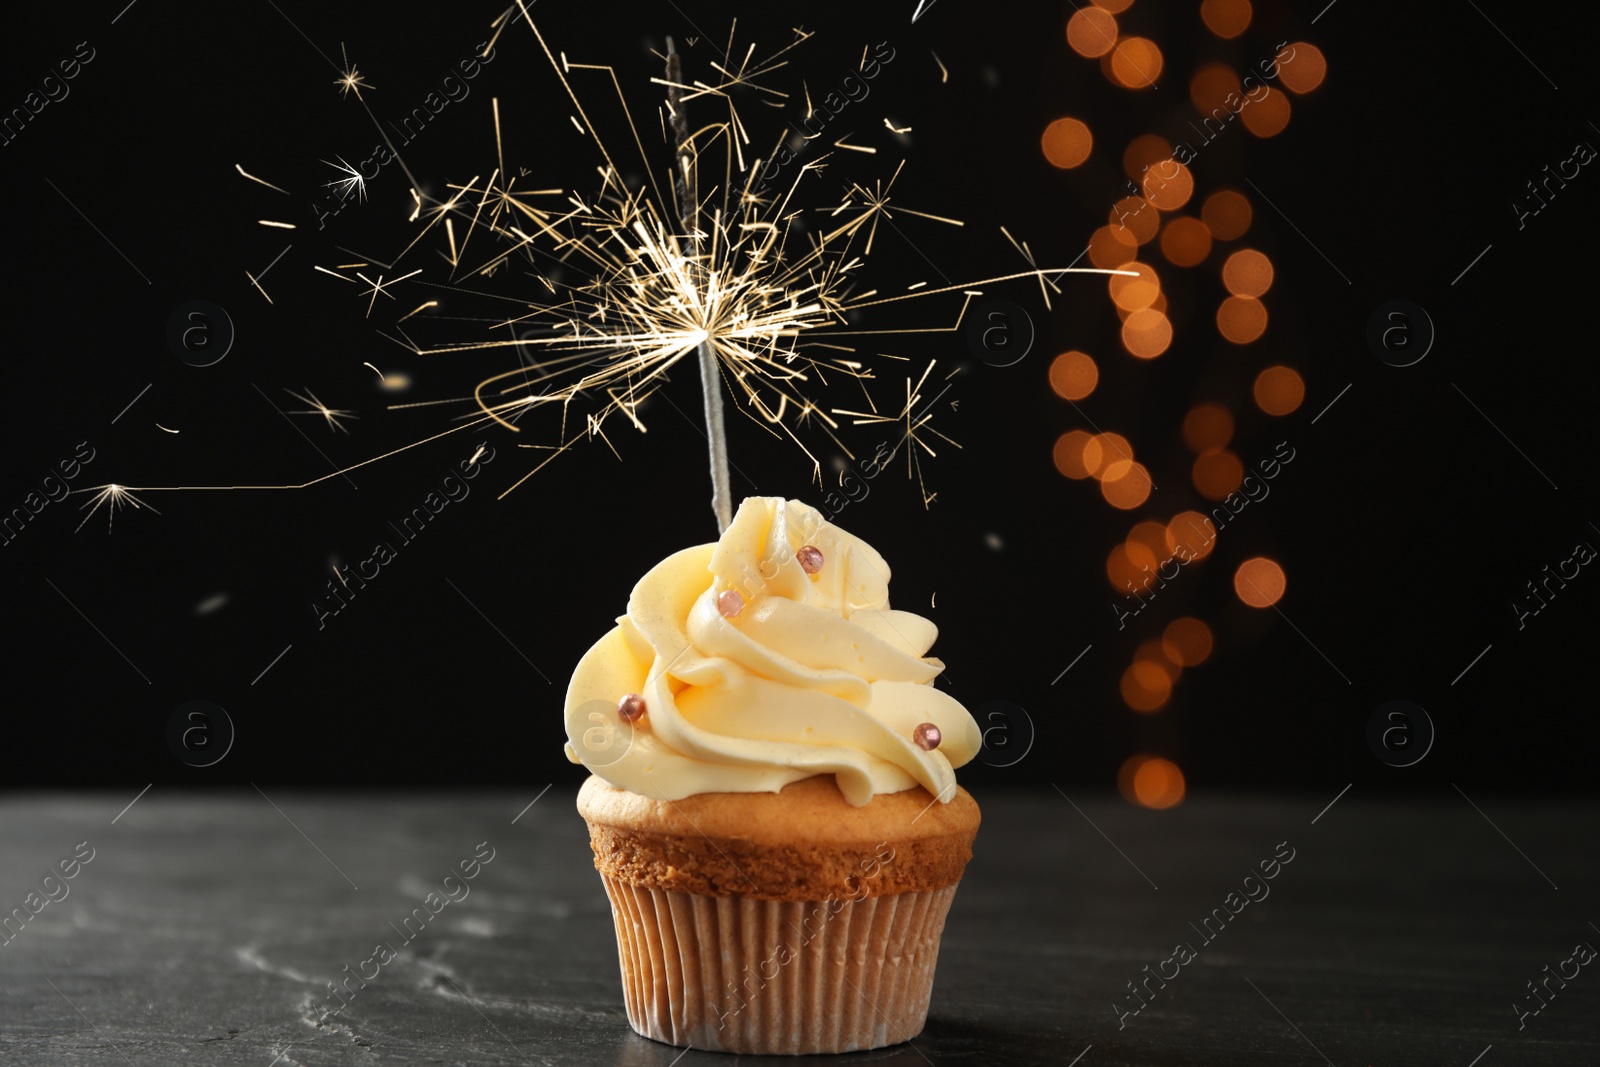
(607, 291)
(743, 274)
(353, 182)
(332, 416)
(258, 181)
(350, 80)
(113, 498)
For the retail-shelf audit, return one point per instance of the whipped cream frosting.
(815, 675)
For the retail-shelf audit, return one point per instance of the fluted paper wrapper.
(731, 974)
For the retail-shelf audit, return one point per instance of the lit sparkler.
(352, 182)
(332, 416)
(113, 498)
(700, 262)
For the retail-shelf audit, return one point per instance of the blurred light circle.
(1069, 454)
(1194, 531)
(1091, 32)
(1146, 688)
(1226, 18)
(1146, 334)
(1226, 214)
(1279, 390)
(1126, 485)
(1143, 152)
(1187, 641)
(1154, 537)
(1073, 375)
(1217, 473)
(1066, 143)
(1185, 241)
(1104, 449)
(1135, 63)
(1305, 69)
(1112, 246)
(1168, 184)
(1135, 218)
(1207, 426)
(1157, 783)
(1124, 572)
(1268, 114)
(1242, 319)
(1247, 273)
(1259, 582)
(1209, 89)
(1132, 293)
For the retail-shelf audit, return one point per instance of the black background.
(1407, 522)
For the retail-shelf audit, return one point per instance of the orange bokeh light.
(1151, 782)
(1259, 582)
(1146, 687)
(1217, 473)
(1069, 454)
(1168, 184)
(1133, 217)
(1092, 32)
(1125, 485)
(1124, 572)
(1140, 556)
(1158, 304)
(1112, 246)
(1144, 151)
(1226, 18)
(1146, 333)
(1194, 531)
(1073, 375)
(1153, 536)
(1135, 63)
(1247, 273)
(1104, 449)
(1226, 214)
(1187, 640)
(1209, 89)
(1267, 115)
(1207, 426)
(1242, 319)
(1186, 241)
(1066, 142)
(1116, 7)
(1131, 294)
(1305, 69)
(1279, 390)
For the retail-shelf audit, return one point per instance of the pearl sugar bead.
(730, 603)
(927, 736)
(631, 708)
(810, 558)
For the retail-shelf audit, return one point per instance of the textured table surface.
(204, 929)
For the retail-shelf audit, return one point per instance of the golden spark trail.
(601, 294)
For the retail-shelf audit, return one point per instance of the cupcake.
(772, 806)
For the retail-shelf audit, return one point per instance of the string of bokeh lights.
(1163, 222)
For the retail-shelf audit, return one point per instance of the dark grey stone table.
(205, 929)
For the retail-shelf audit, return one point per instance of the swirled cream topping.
(815, 674)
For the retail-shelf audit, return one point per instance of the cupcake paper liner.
(732, 974)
